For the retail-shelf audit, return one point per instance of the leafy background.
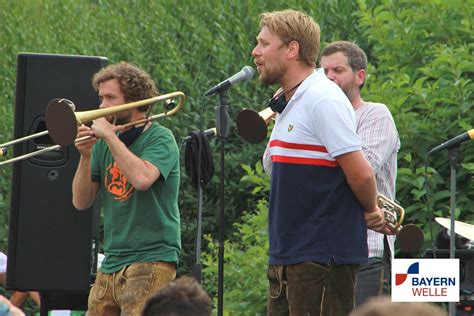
(421, 66)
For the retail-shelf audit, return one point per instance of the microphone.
(208, 132)
(454, 141)
(246, 73)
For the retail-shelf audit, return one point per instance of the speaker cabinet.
(466, 274)
(51, 245)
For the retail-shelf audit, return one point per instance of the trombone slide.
(62, 122)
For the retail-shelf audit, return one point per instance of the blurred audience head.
(181, 297)
(383, 306)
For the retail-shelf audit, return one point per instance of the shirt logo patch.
(290, 127)
(116, 183)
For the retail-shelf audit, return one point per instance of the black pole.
(453, 161)
(197, 271)
(44, 302)
(222, 123)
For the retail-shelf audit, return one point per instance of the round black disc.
(61, 122)
(410, 239)
(251, 126)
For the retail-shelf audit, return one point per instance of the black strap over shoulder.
(129, 136)
(191, 158)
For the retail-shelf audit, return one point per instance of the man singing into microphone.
(323, 193)
(136, 172)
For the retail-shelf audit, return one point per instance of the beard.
(123, 118)
(349, 91)
(348, 94)
(273, 76)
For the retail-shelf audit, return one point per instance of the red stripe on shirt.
(283, 144)
(304, 161)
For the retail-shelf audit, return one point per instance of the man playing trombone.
(136, 172)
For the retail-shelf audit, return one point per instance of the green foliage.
(245, 260)
(423, 71)
(421, 67)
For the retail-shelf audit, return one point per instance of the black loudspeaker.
(51, 245)
(466, 275)
(63, 301)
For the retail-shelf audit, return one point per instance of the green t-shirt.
(140, 226)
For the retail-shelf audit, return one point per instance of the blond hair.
(292, 25)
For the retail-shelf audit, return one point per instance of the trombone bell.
(252, 125)
(61, 122)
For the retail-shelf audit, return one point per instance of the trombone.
(253, 126)
(62, 122)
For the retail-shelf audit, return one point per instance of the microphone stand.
(222, 123)
(453, 161)
(197, 270)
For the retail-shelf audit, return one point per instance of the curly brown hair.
(134, 82)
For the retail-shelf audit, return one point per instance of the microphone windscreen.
(249, 72)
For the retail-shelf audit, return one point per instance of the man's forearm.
(360, 177)
(139, 173)
(366, 192)
(83, 190)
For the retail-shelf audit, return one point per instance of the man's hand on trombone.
(103, 128)
(84, 140)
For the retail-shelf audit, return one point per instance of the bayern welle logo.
(400, 278)
(429, 280)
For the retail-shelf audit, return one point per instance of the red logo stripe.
(400, 278)
(304, 161)
(283, 144)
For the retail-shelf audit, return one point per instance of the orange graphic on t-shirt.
(117, 184)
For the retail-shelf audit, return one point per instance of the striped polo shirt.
(314, 215)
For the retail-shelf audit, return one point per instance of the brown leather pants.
(125, 292)
(310, 288)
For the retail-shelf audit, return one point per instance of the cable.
(428, 206)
